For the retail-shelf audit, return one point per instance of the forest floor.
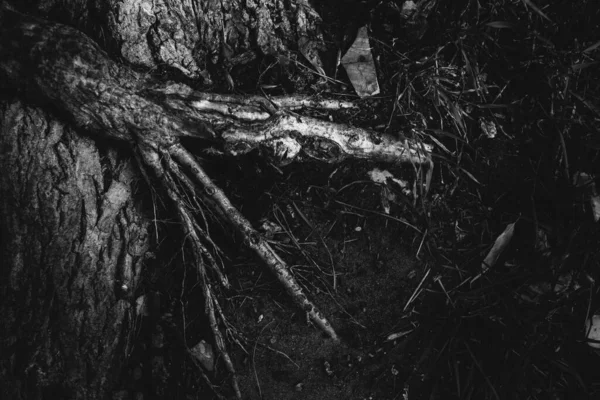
(508, 94)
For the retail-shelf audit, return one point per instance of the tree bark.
(197, 39)
(73, 246)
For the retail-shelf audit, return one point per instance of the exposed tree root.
(201, 255)
(54, 64)
(253, 240)
(248, 123)
(164, 170)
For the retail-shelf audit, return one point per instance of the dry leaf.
(359, 65)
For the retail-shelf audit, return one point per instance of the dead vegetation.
(508, 93)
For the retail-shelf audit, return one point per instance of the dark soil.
(375, 277)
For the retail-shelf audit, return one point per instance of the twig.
(280, 353)
(481, 371)
(563, 147)
(322, 242)
(381, 214)
(421, 244)
(438, 279)
(254, 359)
(416, 291)
(288, 231)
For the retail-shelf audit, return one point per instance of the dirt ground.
(329, 218)
(376, 272)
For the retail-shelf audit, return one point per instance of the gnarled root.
(165, 164)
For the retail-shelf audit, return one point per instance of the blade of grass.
(487, 380)
(537, 10)
(592, 47)
(500, 25)
(470, 175)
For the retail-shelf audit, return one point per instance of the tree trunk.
(73, 246)
(198, 40)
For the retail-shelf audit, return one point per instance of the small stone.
(204, 354)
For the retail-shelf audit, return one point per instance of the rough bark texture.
(194, 37)
(190, 35)
(73, 244)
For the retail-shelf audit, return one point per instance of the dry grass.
(508, 91)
